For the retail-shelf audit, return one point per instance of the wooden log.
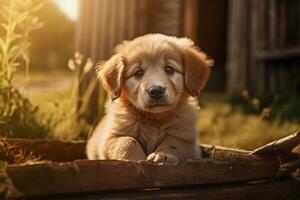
(275, 190)
(108, 175)
(284, 145)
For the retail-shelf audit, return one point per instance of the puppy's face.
(153, 71)
(154, 81)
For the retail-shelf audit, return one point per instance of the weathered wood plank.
(273, 46)
(275, 190)
(238, 46)
(108, 175)
(225, 166)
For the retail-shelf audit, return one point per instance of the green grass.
(56, 103)
(220, 123)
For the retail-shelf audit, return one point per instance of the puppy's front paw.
(163, 158)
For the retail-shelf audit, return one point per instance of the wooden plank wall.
(105, 23)
(264, 46)
(277, 52)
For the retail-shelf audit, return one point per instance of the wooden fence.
(264, 46)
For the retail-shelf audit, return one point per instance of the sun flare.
(69, 7)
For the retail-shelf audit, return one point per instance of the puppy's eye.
(169, 70)
(139, 73)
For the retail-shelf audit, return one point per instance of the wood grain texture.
(238, 46)
(108, 175)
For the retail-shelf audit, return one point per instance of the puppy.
(151, 81)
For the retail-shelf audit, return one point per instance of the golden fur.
(136, 125)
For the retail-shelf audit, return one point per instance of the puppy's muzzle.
(156, 92)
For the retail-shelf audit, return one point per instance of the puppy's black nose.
(156, 92)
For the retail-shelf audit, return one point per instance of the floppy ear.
(196, 69)
(111, 75)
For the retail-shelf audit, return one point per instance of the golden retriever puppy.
(152, 115)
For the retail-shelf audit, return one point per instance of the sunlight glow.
(69, 7)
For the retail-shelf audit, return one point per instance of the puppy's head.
(154, 71)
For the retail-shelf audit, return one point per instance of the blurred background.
(49, 49)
